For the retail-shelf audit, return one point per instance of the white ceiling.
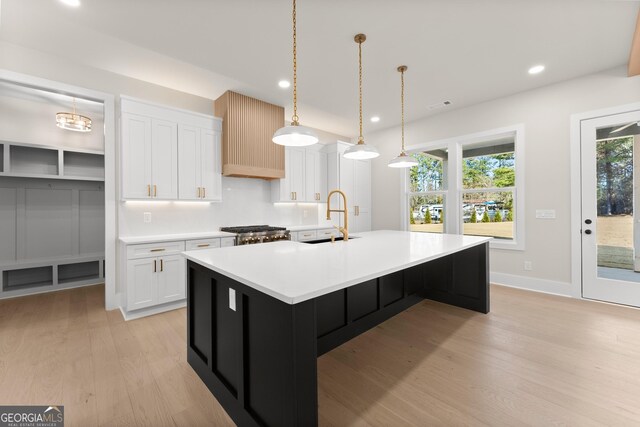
(463, 51)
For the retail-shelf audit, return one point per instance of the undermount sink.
(337, 239)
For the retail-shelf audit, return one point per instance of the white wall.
(545, 113)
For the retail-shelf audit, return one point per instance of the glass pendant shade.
(74, 122)
(361, 151)
(295, 136)
(403, 161)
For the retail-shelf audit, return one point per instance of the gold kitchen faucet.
(344, 230)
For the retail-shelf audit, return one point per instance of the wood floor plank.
(535, 360)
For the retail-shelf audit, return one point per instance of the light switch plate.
(546, 213)
(232, 299)
(147, 217)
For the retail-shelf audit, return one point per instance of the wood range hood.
(248, 125)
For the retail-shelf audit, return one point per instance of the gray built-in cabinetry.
(51, 218)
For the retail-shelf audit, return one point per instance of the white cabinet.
(171, 279)
(353, 177)
(305, 176)
(156, 281)
(199, 164)
(142, 273)
(149, 158)
(169, 154)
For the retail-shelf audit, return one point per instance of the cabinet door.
(141, 283)
(210, 165)
(347, 185)
(296, 173)
(136, 157)
(171, 279)
(311, 175)
(321, 181)
(164, 159)
(189, 170)
(363, 195)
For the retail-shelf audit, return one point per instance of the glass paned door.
(610, 237)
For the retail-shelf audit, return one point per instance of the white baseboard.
(532, 284)
(152, 310)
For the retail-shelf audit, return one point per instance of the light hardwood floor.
(534, 360)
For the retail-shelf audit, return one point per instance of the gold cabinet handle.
(155, 266)
(155, 190)
(158, 250)
(295, 195)
(307, 235)
(291, 195)
(149, 190)
(204, 193)
(198, 192)
(161, 265)
(204, 245)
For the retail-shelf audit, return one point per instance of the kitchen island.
(260, 315)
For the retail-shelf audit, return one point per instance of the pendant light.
(402, 161)
(360, 151)
(73, 121)
(295, 135)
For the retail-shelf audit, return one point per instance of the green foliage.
(427, 216)
(504, 177)
(497, 217)
(496, 170)
(614, 159)
(428, 175)
(412, 220)
(509, 215)
(485, 216)
(474, 216)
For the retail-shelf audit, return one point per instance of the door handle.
(155, 266)
(198, 192)
(161, 265)
(155, 191)
(587, 221)
(149, 190)
(587, 231)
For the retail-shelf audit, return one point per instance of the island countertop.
(294, 272)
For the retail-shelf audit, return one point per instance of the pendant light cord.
(361, 138)
(294, 119)
(402, 103)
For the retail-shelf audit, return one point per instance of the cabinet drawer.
(154, 249)
(307, 235)
(203, 244)
(326, 233)
(227, 241)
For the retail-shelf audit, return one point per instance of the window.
(427, 192)
(484, 197)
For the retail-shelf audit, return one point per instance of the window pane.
(426, 213)
(430, 174)
(487, 171)
(488, 214)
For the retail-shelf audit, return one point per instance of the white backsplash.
(246, 201)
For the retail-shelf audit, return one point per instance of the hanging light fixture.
(360, 151)
(73, 121)
(295, 135)
(403, 160)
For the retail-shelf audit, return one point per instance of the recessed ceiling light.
(284, 84)
(72, 3)
(375, 119)
(536, 69)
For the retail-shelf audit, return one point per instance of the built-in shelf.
(25, 278)
(22, 160)
(78, 272)
(30, 160)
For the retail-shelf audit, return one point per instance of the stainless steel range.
(251, 234)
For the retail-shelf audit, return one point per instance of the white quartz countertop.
(174, 237)
(294, 272)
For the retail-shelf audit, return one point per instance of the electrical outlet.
(147, 217)
(232, 299)
(528, 266)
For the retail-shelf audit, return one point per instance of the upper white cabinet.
(305, 176)
(169, 154)
(353, 177)
(199, 164)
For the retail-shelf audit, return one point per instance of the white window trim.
(453, 221)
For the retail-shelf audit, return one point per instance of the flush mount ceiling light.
(73, 121)
(375, 119)
(536, 69)
(295, 135)
(72, 3)
(284, 84)
(403, 160)
(360, 151)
